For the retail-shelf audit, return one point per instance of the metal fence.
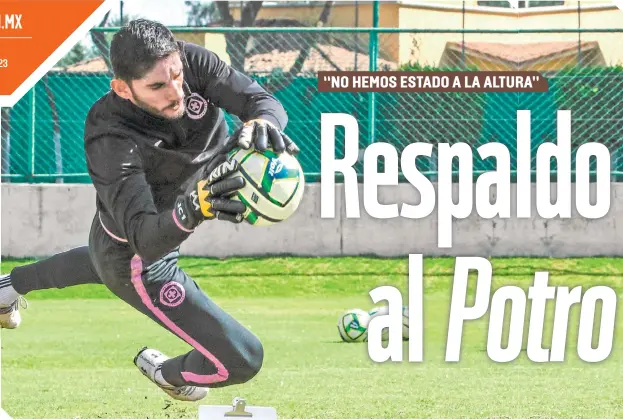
(42, 135)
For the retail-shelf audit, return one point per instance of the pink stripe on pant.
(222, 373)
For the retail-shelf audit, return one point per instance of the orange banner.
(36, 34)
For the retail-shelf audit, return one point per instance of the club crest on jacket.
(196, 106)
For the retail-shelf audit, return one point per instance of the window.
(493, 3)
(522, 4)
(545, 3)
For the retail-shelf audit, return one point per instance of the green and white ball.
(274, 185)
(352, 325)
(384, 310)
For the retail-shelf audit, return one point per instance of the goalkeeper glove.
(210, 197)
(262, 134)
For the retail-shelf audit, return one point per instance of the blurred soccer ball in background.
(352, 325)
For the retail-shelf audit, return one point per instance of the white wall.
(40, 220)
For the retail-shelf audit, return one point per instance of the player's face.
(161, 91)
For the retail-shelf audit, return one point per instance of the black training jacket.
(139, 163)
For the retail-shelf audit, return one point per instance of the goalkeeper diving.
(157, 149)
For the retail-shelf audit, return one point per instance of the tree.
(78, 53)
(200, 14)
(101, 40)
(237, 42)
(100, 43)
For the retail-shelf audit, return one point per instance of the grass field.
(72, 356)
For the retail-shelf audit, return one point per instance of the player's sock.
(160, 379)
(8, 295)
(149, 362)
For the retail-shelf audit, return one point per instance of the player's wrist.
(183, 215)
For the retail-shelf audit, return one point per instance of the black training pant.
(224, 352)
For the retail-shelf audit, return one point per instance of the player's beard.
(160, 112)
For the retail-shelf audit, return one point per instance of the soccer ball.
(353, 325)
(274, 185)
(384, 310)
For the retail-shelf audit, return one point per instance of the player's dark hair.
(137, 46)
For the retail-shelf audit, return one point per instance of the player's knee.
(251, 360)
(256, 359)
